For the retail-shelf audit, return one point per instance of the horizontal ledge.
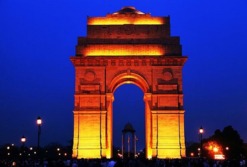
(89, 112)
(167, 111)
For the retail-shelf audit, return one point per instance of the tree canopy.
(228, 142)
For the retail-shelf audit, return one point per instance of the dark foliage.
(229, 139)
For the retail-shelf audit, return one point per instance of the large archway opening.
(128, 107)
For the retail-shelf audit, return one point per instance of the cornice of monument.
(129, 61)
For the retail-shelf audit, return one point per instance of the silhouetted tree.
(229, 139)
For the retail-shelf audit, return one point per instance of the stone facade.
(128, 47)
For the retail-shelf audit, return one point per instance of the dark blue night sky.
(38, 37)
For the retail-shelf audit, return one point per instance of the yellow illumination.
(124, 50)
(213, 148)
(140, 20)
(166, 143)
(216, 149)
(87, 135)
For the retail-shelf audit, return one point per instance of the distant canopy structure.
(129, 133)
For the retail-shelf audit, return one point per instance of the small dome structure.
(128, 128)
(128, 10)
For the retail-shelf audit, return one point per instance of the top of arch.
(127, 15)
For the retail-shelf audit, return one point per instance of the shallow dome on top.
(128, 10)
(128, 128)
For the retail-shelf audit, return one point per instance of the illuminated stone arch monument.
(128, 46)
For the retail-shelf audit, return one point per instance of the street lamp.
(227, 152)
(23, 140)
(201, 131)
(39, 122)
